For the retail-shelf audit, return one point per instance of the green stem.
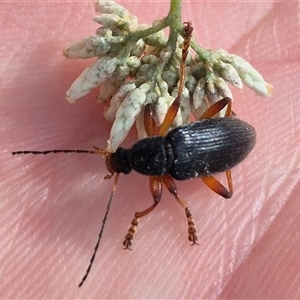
(174, 21)
(174, 15)
(202, 52)
(143, 33)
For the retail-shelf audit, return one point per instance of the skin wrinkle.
(268, 265)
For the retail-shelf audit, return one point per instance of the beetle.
(199, 149)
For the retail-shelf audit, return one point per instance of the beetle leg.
(217, 107)
(192, 230)
(173, 109)
(156, 191)
(149, 122)
(170, 116)
(218, 187)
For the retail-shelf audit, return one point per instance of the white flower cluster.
(212, 79)
(135, 65)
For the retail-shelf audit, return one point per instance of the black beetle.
(199, 149)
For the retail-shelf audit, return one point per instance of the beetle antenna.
(97, 151)
(101, 231)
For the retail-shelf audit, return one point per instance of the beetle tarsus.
(193, 238)
(131, 231)
(127, 242)
(192, 231)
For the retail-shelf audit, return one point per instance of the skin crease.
(52, 206)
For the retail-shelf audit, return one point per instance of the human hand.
(53, 206)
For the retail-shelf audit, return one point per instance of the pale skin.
(52, 206)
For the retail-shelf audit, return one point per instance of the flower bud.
(230, 74)
(199, 93)
(116, 100)
(127, 113)
(111, 7)
(251, 77)
(91, 77)
(81, 49)
(222, 87)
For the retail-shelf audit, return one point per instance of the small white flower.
(230, 74)
(163, 102)
(199, 93)
(134, 63)
(222, 87)
(170, 76)
(259, 87)
(139, 48)
(116, 23)
(136, 97)
(210, 87)
(151, 96)
(251, 77)
(91, 78)
(111, 7)
(116, 100)
(223, 55)
(162, 106)
(185, 106)
(81, 49)
(127, 113)
(190, 82)
(109, 20)
(102, 44)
